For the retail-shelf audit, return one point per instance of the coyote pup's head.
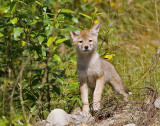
(85, 41)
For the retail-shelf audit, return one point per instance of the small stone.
(58, 117)
(41, 123)
(157, 103)
(77, 111)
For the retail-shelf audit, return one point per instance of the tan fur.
(93, 71)
(84, 34)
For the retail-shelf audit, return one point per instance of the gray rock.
(77, 118)
(157, 103)
(58, 117)
(77, 111)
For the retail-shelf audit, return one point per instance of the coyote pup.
(93, 71)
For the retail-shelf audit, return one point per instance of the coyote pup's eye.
(90, 40)
(80, 41)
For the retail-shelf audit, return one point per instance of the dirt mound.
(140, 110)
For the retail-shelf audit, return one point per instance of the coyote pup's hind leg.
(119, 87)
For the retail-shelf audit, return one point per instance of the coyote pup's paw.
(96, 106)
(85, 111)
(86, 114)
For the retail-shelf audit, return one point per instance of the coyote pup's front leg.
(98, 93)
(84, 98)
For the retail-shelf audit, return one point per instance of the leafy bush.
(38, 62)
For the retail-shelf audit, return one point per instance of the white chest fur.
(89, 68)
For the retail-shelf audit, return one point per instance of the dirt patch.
(139, 111)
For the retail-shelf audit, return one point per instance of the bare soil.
(140, 110)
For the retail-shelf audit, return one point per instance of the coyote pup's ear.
(95, 29)
(74, 34)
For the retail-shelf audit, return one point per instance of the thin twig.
(48, 60)
(18, 77)
(21, 88)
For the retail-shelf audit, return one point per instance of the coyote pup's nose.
(86, 47)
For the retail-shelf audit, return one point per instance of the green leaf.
(22, 2)
(17, 31)
(38, 3)
(23, 43)
(50, 40)
(72, 87)
(24, 101)
(57, 58)
(33, 108)
(111, 31)
(112, 39)
(32, 35)
(86, 16)
(13, 9)
(35, 82)
(73, 59)
(60, 80)
(14, 21)
(5, 9)
(100, 13)
(48, 30)
(56, 89)
(71, 29)
(60, 40)
(75, 98)
(43, 51)
(78, 99)
(1, 35)
(34, 22)
(66, 11)
(57, 25)
(40, 39)
(75, 20)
